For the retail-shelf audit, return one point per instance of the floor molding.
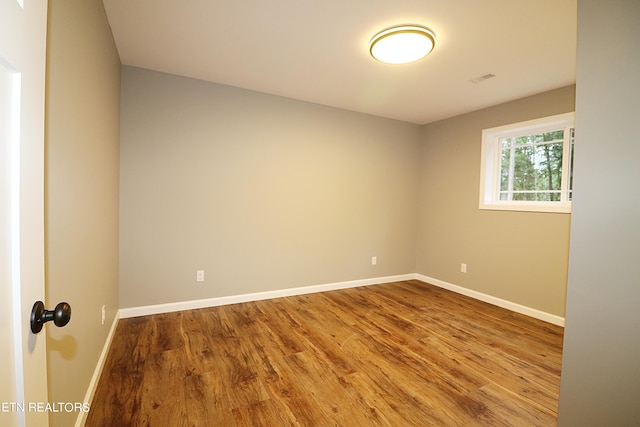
(93, 384)
(234, 299)
(509, 305)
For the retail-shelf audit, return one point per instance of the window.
(528, 166)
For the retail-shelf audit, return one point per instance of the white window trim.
(490, 159)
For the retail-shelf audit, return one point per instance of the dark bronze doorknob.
(39, 316)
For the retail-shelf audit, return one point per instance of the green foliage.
(531, 167)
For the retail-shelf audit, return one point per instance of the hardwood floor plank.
(238, 371)
(503, 408)
(163, 336)
(495, 368)
(263, 414)
(164, 405)
(323, 339)
(195, 333)
(379, 406)
(416, 391)
(279, 326)
(207, 400)
(404, 353)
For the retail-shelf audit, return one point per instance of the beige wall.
(261, 192)
(517, 256)
(82, 134)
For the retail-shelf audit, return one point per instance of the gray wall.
(600, 383)
(267, 193)
(520, 257)
(261, 192)
(81, 190)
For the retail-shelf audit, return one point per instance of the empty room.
(267, 213)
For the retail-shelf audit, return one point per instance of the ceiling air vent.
(482, 78)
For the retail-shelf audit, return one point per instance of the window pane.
(505, 165)
(531, 164)
(537, 196)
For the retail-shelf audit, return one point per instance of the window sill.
(528, 207)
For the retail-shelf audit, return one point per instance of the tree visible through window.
(528, 166)
(531, 167)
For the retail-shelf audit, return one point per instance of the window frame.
(490, 159)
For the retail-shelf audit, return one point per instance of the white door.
(23, 374)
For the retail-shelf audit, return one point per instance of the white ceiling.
(317, 50)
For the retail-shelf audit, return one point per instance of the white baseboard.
(518, 308)
(93, 384)
(234, 299)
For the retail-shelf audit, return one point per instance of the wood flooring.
(398, 354)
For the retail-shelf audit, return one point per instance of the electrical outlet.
(200, 276)
(374, 260)
(463, 268)
(104, 313)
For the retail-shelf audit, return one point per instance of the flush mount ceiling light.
(402, 44)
